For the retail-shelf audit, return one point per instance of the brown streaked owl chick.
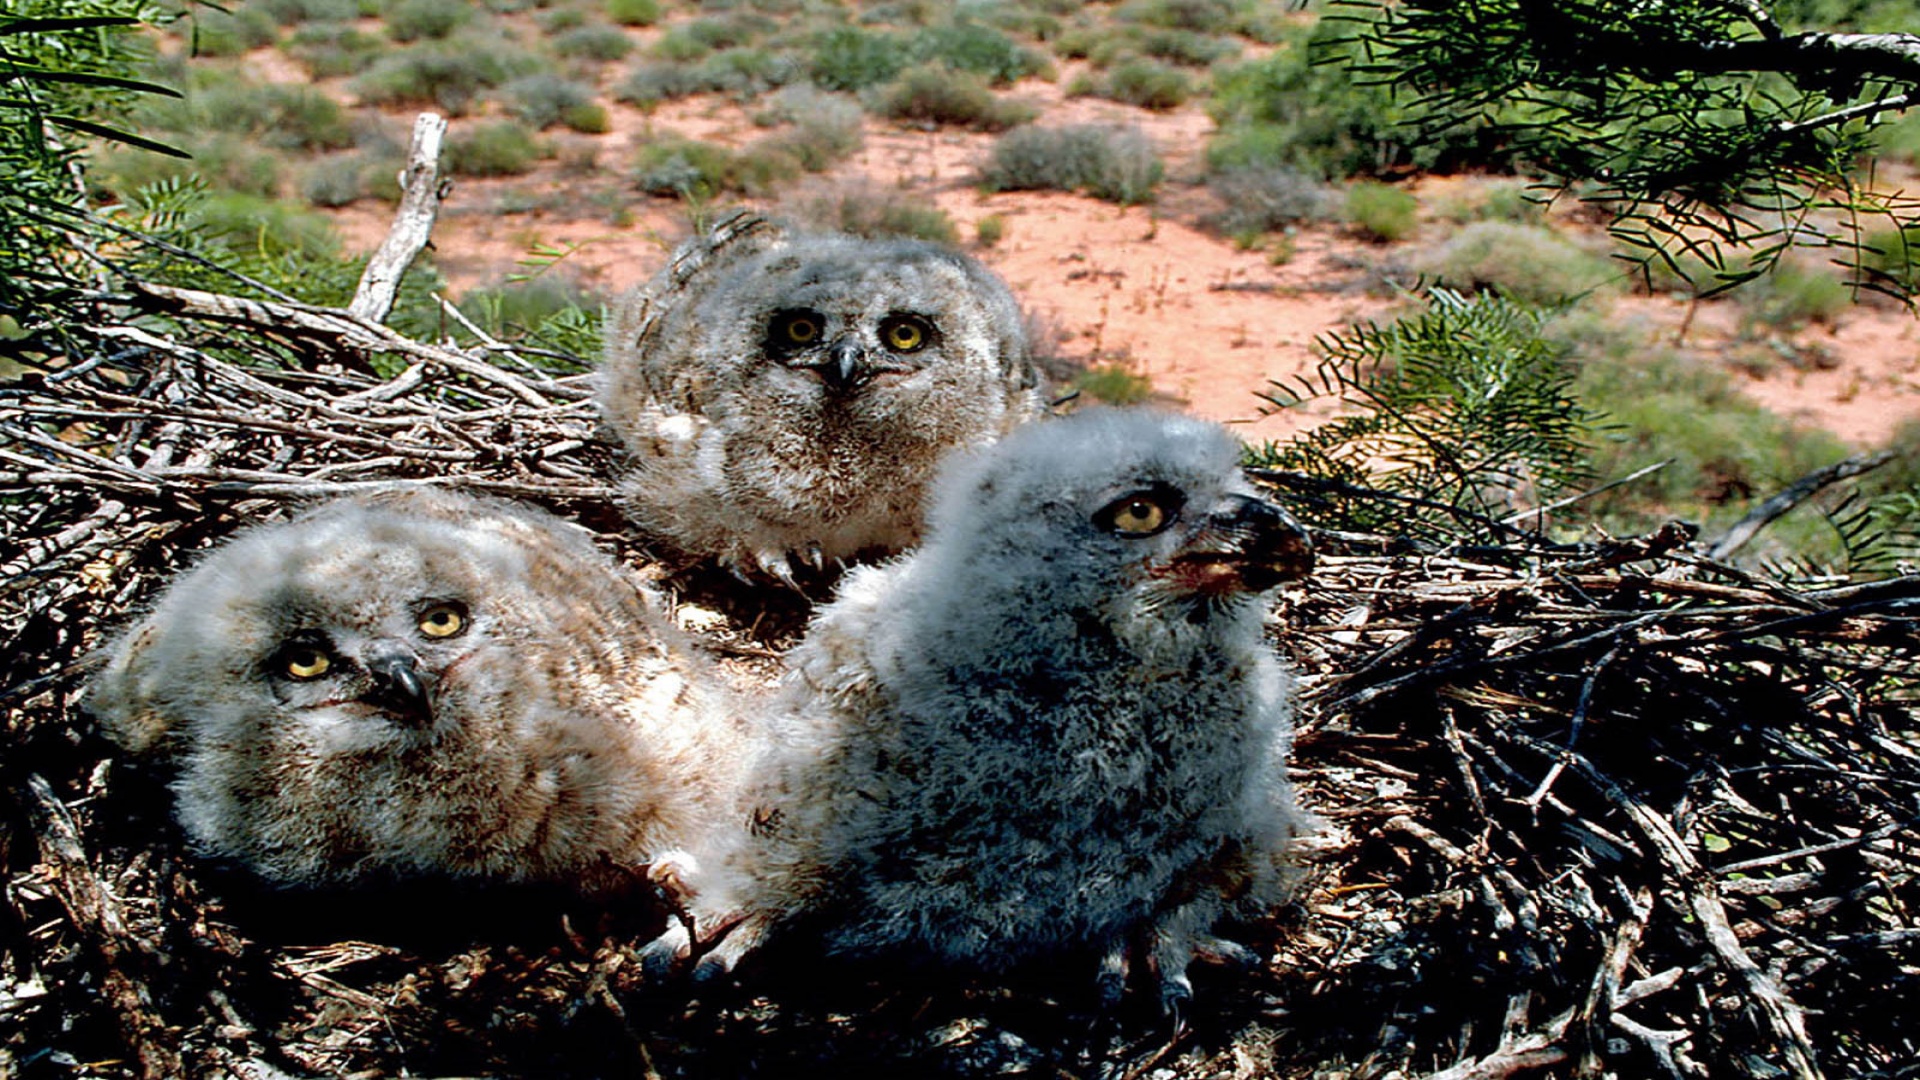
(420, 683)
(786, 396)
(1055, 729)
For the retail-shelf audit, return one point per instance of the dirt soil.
(1148, 287)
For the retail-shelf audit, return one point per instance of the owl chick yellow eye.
(1135, 515)
(904, 335)
(442, 622)
(801, 330)
(307, 663)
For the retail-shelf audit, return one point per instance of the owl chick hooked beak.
(1242, 545)
(397, 686)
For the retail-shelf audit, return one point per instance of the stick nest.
(1618, 810)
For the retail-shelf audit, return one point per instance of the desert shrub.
(1262, 199)
(543, 100)
(222, 33)
(825, 128)
(1114, 384)
(294, 12)
(591, 118)
(1148, 84)
(598, 43)
(414, 20)
(1531, 262)
(228, 163)
(1892, 258)
(866, 209)
(849, 58)
(559, 20)
(1500, 200)
(493, 148)
(1725, 448)
(280, 116)
(1796, 293)
(268, 227)
(1381, 211)
(329, 49)
(518, 310)
(969, 46)
(1208, 16)
(340, 179)
(687, 168)
(990, 230)
(651, 82)
(1118, 164)
(694, 40)
(764, 166)
(935, 95)
(741, 73)
(633, 12)
(450, 74)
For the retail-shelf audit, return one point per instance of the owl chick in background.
(1055, 729)
(420, 683)
(786, 396)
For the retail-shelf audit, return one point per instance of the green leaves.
(1465, 406)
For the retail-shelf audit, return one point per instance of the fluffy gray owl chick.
(422, 683)
(787, 396)
(1053, 729)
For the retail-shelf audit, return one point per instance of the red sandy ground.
(1143, 286)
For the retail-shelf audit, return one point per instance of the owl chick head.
(365, 685)
(1118, 502)
(840, 319)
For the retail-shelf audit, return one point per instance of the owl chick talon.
(1176, 1001)
(1226, 953)
(1111, 981)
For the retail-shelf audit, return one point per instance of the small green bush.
(329, 50)
(1262, 199)
(219, 33)
(267, 227)
(1207, 16)
(602, 44)
(683, 167)
(982, 50)
(697, 39)
(335, 180)
(1381, 211)
(449, 74)
(934, 95)
(990, 230)
(1794, 294)
(1529, 262)
(825, 128)
(494, 148)
(634, 12)
(228, 163)
(1891, 259)
(414, 20)
(1148, 84)
(516, 310)
(1114, 384)
(1117, 164)
(866, 210)
(294, 12)
(560, 20)
(591, 118)
(849, 58)
(543, 100)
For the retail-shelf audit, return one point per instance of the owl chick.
(787, 396)
(422, 683)
(1054, 729)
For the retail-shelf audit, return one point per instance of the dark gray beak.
(397, 686)
(1274, 547)
(846, 364)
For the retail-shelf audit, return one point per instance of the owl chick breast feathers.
(1055, 727)
(786, 396)
(422, 683)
